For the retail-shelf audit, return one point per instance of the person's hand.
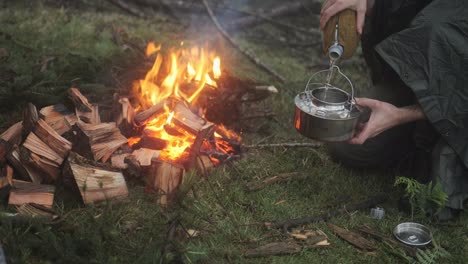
(332, 7)
(383, 116)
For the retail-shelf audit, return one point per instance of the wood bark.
(353, 238)
(27, 192)
(95, 183)
(411, 251)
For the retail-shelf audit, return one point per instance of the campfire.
(172, 120)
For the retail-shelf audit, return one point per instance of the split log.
(27, 192)
(84, 110)
(165, 179)
(144, 116)
(411, 251)
(13, 134)
(24, 170)
(58, 117)
(97, 141)
(30, 118)
(6, 175)
(144, 156)
(79, 100)
(371, 202)
(95, 183)
(118, 161)
(284, 177)
(124, 117)
(353, 238)
(49, 136)
(89, 117)
(41, 156)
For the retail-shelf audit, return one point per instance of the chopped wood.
(411, 251)
(145, 155)
(23, 169)
(58, 117)
(143, 117)
(13, 133)
(190, 121)
(98, 140)
(165, 179)
(250, 55)
(124, 117)
(27, 192)
(30, 118)
(48, 135)
(34, 144)
(79, 100)
(118, 161)
(290, 223)
(36, 210)
(92, 117)
(283, 177)
(6, 176)
(5, 147)
(353, 238)
(95, 183)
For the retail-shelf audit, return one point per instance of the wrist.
(410, 113)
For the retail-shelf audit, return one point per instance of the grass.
(50, 48)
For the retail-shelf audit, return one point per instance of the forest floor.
(47, 46)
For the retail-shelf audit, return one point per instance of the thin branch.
(246, 52)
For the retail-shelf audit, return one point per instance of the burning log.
(143, 117)
(26, 192)
(95, 183)
(165, 178)
(150, 143)
(97, 141)
(58, 117)
(13, 134)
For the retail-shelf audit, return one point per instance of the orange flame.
(188, 69)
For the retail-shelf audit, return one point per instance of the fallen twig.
(371, 202)
(285, 145)
(353, 238)
(258, 185)
(246, 52)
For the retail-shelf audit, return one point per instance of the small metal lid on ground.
(413, 234)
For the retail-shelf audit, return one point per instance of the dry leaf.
(280, 202)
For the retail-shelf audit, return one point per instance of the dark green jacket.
(426, 45)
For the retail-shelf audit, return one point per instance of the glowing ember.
(180, 75)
